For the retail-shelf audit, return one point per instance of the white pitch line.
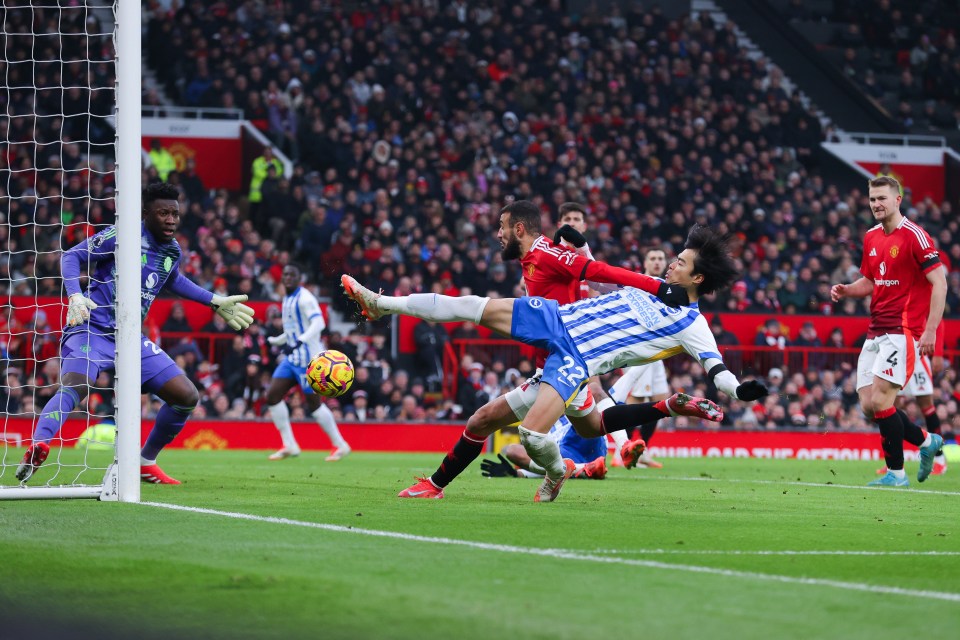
(565, 554)
(822, 485)
(740, 552)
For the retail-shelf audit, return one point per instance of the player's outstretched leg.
(367, 300)
(427, 306)
(681, 404)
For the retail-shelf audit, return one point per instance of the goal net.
(58, 186)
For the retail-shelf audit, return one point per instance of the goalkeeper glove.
(79, 310)
(751, 390)
(571, 235)
(238, 316)
(493, 469)
(673, 295)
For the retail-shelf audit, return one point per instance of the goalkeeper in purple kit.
(88, 345)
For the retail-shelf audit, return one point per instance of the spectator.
(430, 339)
(470, 394)
(258, 174)
(771, 336)
(161, 159)
(359, 409)
(809, 339)
(177, 321)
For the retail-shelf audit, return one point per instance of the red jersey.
(898, 264)
(553, 272)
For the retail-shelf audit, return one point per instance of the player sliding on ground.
(590, 337)
(89, 338)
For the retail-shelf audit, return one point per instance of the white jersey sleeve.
(698, 341)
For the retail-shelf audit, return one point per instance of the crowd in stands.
(411, 124)
(903, 54)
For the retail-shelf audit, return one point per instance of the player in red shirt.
(902, 271)
(549, 271)
(920, 387)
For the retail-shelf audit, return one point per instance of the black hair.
(567, 207)
(295, 265)
(159, 191)
(526, 212)
(714, 261)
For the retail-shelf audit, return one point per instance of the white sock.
(324, 418)
(146, 463)
(523, 473)
(543, 450)
(280, 415)
(620, 437)
(900, 473)
(535, 468)
(940, 459)
(435, 307)
(605, 404)
(927, 441)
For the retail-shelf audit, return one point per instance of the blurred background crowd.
(410, 124)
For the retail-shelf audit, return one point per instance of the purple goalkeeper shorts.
(89, 354)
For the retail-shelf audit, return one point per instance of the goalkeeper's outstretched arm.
(238, 316)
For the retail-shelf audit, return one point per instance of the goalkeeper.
(88, 345)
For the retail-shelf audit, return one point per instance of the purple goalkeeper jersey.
(159, 268)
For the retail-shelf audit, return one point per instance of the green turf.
(636, 564)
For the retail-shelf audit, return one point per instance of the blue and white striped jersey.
(630, 327)
(299, 310)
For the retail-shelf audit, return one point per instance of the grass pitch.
(305, 549)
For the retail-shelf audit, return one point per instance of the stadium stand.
(904, 55)
(412, 123)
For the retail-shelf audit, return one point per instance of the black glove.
(571, 235)
(673, 295)
(290, 348)
(493, 469)
(751, 390)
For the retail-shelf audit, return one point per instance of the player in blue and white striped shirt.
(590, 337)
(302, 324)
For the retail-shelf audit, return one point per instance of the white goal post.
(31, 30)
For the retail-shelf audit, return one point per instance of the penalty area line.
(566, 554)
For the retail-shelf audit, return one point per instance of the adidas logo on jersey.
(888, 372)
(873, 253)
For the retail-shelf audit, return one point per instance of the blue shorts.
(90, 354)
(580, 449)
(536, 321)
(287, 370)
